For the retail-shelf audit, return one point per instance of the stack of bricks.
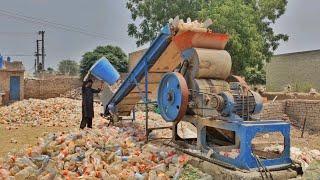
(296, 109)
(51, 87)
(299, 109)
(273, 110)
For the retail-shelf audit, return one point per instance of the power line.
(51, 24)
(18, 55)
(18, 33)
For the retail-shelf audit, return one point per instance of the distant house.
(11, 82)
(299, 70)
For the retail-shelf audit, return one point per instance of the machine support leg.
(146, 102)
(134, 114)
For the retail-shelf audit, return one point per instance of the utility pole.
(37, 54)
(42, 48)
(39, 66)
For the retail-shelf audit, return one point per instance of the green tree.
(114, 54)
(248, 22)
(50, 70)
(255, 76)
(68, 67)
(155, 14)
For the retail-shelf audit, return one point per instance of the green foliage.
(68, 67)
(50, 70)
(154, 14)
(255, 76)
(248, 22)
(114, 54)
(190, 173)
(302, 87)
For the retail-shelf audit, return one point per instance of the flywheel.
(173, 97)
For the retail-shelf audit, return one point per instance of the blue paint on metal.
(229, 107)
(246, 131)
(259, 102)
(157, 47)
(14, 88)
(104, 71)
(169, 97)
(187, 54)
(1, 61)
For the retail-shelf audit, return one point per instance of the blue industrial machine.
(201, 91)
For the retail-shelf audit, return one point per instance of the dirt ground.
(24, 135)
(309, 140)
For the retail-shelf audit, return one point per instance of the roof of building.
(299, 52)
(15, 66)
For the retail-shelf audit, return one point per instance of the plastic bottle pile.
(61, 112)
(105, 152)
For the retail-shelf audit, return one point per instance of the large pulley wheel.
(173, 97)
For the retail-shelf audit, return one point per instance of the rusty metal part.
(185, 96)
(204, 95)
(173, 97)
(210, 64)
(209, 40)
(234, 78)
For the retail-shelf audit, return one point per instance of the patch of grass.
(190, 173)
(302, 87)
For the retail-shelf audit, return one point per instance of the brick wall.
(50, 87)
(5, 84)
(297, 110)
(273, 111)
(8, 70)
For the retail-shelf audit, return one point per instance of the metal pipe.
(146, 101)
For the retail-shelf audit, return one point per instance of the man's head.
(89, 83)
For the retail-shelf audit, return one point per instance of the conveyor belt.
(164, 55)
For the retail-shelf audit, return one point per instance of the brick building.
(300, 70)
(11, 82)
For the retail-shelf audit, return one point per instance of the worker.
(87, 103)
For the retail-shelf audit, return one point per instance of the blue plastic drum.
(103, 70)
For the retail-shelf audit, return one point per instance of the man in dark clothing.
(87, 104)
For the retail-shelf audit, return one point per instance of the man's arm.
(96, 90)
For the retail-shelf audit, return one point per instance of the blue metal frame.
(158, 46)
(246, 132)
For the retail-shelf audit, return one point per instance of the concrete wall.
(300, 70)
(50, 87)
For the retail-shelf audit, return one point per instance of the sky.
(109, 19)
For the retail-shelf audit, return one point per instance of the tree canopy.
(114, 54)
(68, 67)
(248, 22)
